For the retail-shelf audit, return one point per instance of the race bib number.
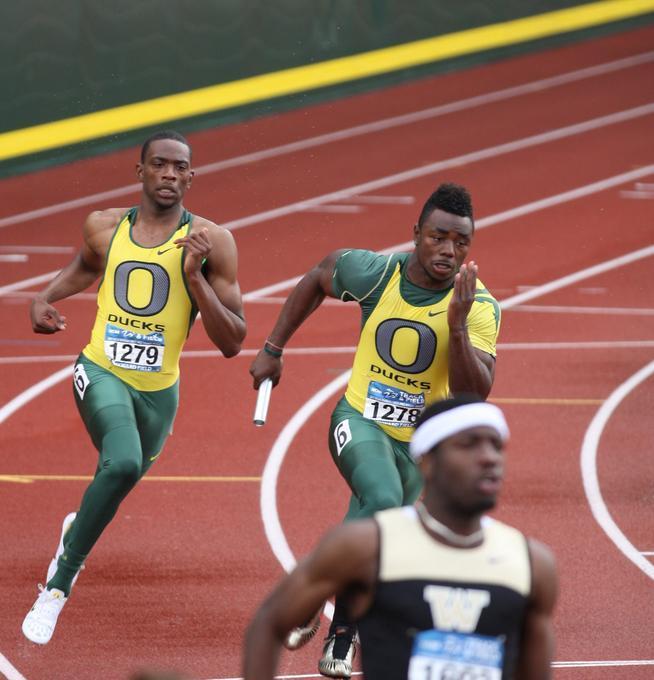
(392, 406)
(134, 351)
(437, 655)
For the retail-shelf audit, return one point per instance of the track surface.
(176, 577)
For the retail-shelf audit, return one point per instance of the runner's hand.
(465, 285)
(198, 246)
(45, 318)
(266, 366)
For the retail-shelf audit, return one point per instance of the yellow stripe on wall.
(291, 81)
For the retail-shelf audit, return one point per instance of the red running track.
(176, 577)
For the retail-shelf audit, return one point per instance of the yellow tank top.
(401, 362)
(144, 309)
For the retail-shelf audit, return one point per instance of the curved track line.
(8, 671)
(589, 470)
(348, 133)
(268, 499)
(34, 391)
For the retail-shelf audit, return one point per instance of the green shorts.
(378, 469)
(106, 403)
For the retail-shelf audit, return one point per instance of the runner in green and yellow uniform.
(429, 329)
(160, 266)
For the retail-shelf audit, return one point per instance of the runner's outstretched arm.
(304, 299)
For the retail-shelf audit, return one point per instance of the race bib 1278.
(391, 406)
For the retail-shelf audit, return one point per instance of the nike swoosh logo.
(436, 313)
(165, 250)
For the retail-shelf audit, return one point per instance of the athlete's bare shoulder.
(215, 230)
(99, 220)
(222, 240)
(99, 227)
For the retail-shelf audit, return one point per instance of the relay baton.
(263, 401)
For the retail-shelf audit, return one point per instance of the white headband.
(456, 420)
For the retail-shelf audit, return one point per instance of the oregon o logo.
(159, 290)
(426, 344)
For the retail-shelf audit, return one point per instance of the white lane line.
(38, 250)
(13, 257)
(594, 344)
(337, 208)
(504, 216)
(589, 470)
(483, 223)
(603, 664)
(22, 294)
(315, 351)
(349, 133)
(456, 161)
(268, 501)
(8, 671)
(34, 391)
(579, 276)
(26, 283)
(647, 195)
(571, 309)
(555, 664)
(383, 200)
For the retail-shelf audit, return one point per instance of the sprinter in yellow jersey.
(429, 329)
(160, 266)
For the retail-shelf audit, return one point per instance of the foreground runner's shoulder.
(357, 272)
(99, 228)
(218, 234)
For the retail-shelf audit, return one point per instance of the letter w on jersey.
(456, 609)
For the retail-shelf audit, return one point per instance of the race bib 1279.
(134, 351)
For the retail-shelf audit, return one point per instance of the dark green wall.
(62, 58)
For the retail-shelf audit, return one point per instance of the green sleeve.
(484, 322)
(358, 273)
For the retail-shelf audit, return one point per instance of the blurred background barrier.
(206, 62)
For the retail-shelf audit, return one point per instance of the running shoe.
(338, 653)
(40, 622)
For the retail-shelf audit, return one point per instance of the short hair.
(451, 198)
(163, 134)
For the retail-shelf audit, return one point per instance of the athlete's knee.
(122, 474)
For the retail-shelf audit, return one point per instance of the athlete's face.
(442, 244)
(166, 172)
(466, 471)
